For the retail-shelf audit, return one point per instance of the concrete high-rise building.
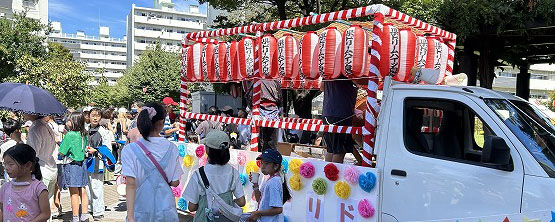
(35, 9)
(100, 52)
(163, 24)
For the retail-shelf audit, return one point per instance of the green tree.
(20, 37)
(155, 75)
(106, 95)
(57, 73)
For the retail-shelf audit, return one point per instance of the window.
(507, 74)
(445, 129)
(538, 76)
(531, 127)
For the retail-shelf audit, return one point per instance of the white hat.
(87, 109)
(28, 123)
(122, 110)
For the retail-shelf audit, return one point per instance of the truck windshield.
(531, 127)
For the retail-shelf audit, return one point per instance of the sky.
(88, 15)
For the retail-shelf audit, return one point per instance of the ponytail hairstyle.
(149, 115)
(286, 191)
(22, 154)
(77, 123)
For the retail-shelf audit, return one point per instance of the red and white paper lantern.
(195, 67)
(246, 58)
(443, 62)
(268, 55)
(433, 60)
(208, 63)
(389, 52)
(407, 54)
(309, 55)
(221, 61)
(356, 60)
(329, 54)
(421, 51)
(233, 68)
(288, 57)
(184, 57)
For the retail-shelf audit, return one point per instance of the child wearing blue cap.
(274, 192)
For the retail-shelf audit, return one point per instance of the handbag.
(156, 164)
(218, 210)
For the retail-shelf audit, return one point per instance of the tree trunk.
(281, 9)
(523, 82)
(469, 64)
(487, 63)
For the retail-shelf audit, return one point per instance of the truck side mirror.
(496, 152)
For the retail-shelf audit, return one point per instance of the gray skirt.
(75, 175)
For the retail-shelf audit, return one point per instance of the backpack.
(218, 210)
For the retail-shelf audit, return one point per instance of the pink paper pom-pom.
(203, 160)
(242, 158)
(200, 151)
(351, 175)
(176, 191)
(365, 209)
(307, 170)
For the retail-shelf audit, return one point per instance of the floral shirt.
(21, 203)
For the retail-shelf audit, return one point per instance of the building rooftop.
(173, 11)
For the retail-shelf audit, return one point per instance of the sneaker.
(59, 215)
(98, 218)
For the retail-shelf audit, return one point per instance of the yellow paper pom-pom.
(295, 182)
(188, 161)
(251, 167)
(342, 189)
(246, 207)
(295, 166)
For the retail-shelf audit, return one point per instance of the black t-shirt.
(339, 98)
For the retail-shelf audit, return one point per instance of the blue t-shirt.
(272, 196)
(339, 98)
(167, 126)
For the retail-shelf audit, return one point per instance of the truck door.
(434, 168)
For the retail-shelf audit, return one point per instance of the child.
(12, 128)
(274, 192)
(25, 198)
(98, 136)
(75, 172)
(149, 196)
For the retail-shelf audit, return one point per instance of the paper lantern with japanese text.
(221, 61)
(184, 58)
(329, 54)
(356, 60)
(208, 63)
(443, 62)
(433, 60)
(233, 67)
(246, 58)
(194, 61)
(407, 45)
(268, 56)
(389, 52)
(421, 51)
(308, 59)
(288, 57)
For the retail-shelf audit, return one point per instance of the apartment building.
(163, 24)
(100, 53)
(35, 9)
(542, 80)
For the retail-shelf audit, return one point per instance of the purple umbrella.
(28, 99)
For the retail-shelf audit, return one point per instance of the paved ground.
(116, 208)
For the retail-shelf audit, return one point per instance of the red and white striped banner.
(326, 17)
(276, 124)
(301, 120)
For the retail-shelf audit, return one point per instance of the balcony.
(158, 34)
(169, 22)
(535, 84)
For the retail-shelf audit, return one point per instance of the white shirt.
(43, 140)
(219, 178)
(158, 146)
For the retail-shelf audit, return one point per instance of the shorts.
(338, 143)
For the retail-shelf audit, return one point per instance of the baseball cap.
(169, 101)
(270, 155)
(27, 124)
(87, 109)
(216, 139)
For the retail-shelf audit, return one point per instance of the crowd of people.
(86, 148)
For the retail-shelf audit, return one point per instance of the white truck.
(489, 153)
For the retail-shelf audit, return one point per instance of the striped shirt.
(167, 126)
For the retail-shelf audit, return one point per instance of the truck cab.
(448, 152)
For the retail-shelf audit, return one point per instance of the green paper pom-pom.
(320, 186)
